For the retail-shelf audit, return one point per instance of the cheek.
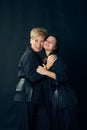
(31, 42)
(52, 47)
(42, 44)
(45, 44)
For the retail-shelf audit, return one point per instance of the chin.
(38, 50)
(46, 48)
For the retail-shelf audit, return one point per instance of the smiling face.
(37, 36)
(37, 43)
(50, 43)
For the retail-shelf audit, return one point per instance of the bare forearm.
(50, 74)
(43, 71)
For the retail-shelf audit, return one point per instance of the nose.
(39, 44)
(47, 42)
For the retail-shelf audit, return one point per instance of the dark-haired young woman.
(59, 96)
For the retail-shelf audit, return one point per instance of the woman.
(30, 103)
(63, 101)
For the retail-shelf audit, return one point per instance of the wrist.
(47, 68)
(46, 72)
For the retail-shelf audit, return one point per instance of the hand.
(41, 70)
(50, 61)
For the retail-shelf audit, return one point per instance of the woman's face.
(50, 43)
(37, 43)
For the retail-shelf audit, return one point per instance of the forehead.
(39, 37)
(51, 38)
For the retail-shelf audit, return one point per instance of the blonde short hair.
(35, 32)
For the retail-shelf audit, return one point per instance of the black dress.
(32, 115)
(62, 99)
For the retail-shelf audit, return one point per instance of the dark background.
(66, 18)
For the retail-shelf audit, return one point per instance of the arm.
(50, 61)
(29, 65)
(58, 72)
(43, 71)
(60, 69)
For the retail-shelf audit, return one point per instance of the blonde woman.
(32, 114)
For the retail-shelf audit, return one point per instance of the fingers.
(41, 70)
(44, 66)
(52, 57)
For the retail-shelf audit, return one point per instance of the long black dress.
(32, 115)
(62, 99)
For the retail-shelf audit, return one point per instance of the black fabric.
(31, 106)
(32, 117)
(23, 91)
(38, 117)
(27, 68)
(22, 116)
(63, 100)
(65, 18)
(66, 95)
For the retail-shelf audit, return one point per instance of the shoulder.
(60, 63)
(42, 54)
(28, 54)
(59, 59)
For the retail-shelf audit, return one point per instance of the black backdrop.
(66, 18)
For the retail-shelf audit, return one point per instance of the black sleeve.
(21, 72)
(60, 70)
(30, 64)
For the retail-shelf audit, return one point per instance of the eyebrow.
(51, 40)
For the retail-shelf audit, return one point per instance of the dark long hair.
(57, 42)
(56, 51)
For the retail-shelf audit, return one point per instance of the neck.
(47, 52)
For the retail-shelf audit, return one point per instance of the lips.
(38, 48)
